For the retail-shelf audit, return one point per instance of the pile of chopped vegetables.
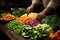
(41, 30)
(53, 21)
(24, 19)
(27, 19)
(33, 22)
(7, 17)
(32, 15)
(55, 36)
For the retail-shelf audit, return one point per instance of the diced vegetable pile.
(33, 22)
(55, 36)
(7, 16)
(41, 30)
(24, 19)
(53, 21)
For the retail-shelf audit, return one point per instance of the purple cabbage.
(33, 22)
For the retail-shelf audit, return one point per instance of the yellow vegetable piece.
(32, 15)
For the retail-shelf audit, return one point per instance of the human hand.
(40, 15)
(29, 9)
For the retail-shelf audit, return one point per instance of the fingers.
(40, 16)
(29, 9)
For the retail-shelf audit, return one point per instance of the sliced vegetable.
(33, 22)
(8, 17)
(55, 36)
(32, 15)
(53, 21)
(40, 30)
(24, 19)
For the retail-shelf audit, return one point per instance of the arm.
(49, 7)
(30, 8)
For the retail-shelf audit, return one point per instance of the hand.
(40, 15)
(29, 9)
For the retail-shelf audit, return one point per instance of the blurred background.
(7, 4)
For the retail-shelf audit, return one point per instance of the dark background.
(14, 3)
(8, 4)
